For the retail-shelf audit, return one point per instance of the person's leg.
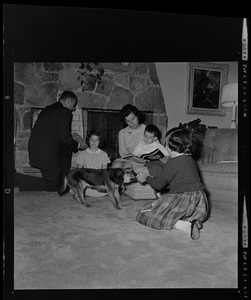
(127, 164)
(122, 164)
(48, 182)
(117, 164)
(183, 225)
(51, 179)
(65, 158)
(192, 228)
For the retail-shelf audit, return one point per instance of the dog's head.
(123, 176)
(129, 176)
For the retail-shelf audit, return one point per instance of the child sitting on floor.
(93, 157)
(185, 206)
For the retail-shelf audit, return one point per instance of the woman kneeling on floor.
(185, 206)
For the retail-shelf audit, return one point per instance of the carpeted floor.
(61, 244)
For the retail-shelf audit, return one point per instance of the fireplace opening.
(108, 123)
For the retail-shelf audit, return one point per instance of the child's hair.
(94, 132)
(153, 129)
(180, 140)
(127, 110)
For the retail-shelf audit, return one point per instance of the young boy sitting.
(149, 149)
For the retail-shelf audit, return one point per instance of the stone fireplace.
(39, 84)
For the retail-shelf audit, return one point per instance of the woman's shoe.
(195, 229)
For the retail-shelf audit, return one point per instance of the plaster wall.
(173, 78)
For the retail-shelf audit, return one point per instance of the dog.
(112, 181)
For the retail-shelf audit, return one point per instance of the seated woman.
(148, 146)
(130, 136)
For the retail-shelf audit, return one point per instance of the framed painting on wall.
(205, 82)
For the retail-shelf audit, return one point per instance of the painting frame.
(205, 82)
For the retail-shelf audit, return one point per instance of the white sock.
(183, 225)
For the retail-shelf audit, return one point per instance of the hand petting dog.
(142, 173)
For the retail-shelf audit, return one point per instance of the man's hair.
(153, 129)
(68, 95)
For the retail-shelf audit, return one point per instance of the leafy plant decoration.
(90, 77)
(195, 126)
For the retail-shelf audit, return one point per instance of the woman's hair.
(153, 129)
(180, 140)
(94, 132)
(127, 110)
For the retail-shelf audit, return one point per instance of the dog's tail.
(64, 188)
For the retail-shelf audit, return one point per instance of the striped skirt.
(163, 213)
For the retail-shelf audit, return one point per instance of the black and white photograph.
(90, 95)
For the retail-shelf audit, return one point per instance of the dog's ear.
(131, 171)
(117, 175)
(134, 173)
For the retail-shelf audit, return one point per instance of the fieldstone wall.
(40, 84)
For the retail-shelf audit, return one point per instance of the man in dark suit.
(51, 145)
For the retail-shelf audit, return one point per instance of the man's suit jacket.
(51, 144)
